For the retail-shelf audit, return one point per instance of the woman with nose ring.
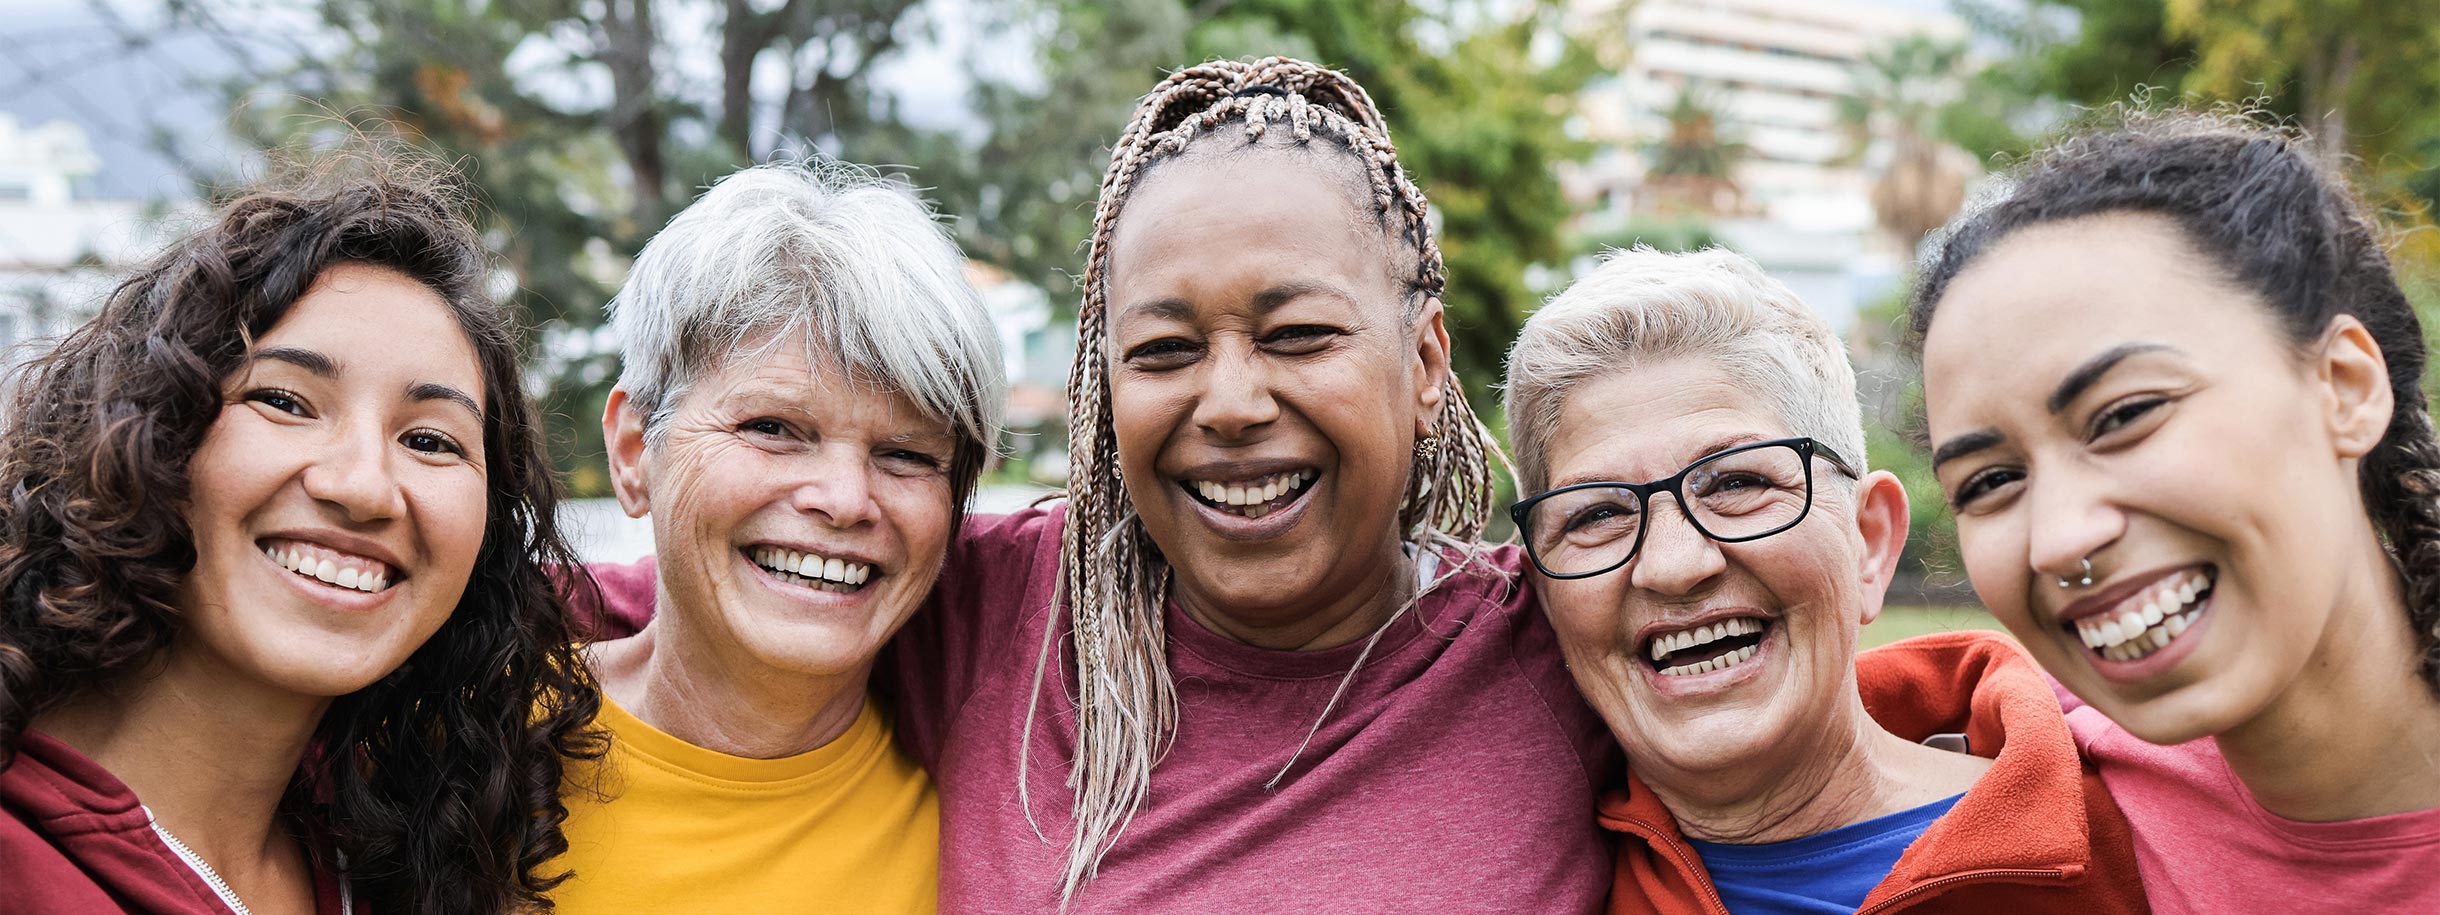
(2175, 398)
(1258, 660)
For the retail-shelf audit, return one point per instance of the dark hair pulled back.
(2278, 220)
(437, 785)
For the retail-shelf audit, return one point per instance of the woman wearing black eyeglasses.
(1707, 550)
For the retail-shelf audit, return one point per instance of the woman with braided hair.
(2175, 398)
(1258, 661)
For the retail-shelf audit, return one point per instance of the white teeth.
(1253, 492)
(807, 565)
(1722, 662)
(329, 571)
(2164, 614)
(345, 579)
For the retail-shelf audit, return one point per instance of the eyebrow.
(322, 366)
(1715, 447)
(1265, 302)
(432, 390)
(2083, 376)
(1966, 444)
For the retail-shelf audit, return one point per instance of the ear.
(623, 436)
(2360, 402)
(1431, 342)
(1881, 521)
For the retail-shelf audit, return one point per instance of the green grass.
(1906, 622)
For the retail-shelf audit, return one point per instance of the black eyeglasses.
(1744, 493)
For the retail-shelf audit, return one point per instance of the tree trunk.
(635, 116)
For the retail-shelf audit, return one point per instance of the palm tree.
(1900, 94)
(1693, 165)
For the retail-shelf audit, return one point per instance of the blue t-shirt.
(1824, 874)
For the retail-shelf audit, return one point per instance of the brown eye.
(2120, 416)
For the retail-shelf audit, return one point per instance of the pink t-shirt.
(2205, 847)
(1459, 774)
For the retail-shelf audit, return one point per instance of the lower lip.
(1693, 685)
(803, 593)
(2158, 662)
(327, 594)
(1233, 526)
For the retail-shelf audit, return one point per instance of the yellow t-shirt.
(853, 826)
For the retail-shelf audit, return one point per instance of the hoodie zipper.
(202, 869)
(220, 887)
(1893, 902)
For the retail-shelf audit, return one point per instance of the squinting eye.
(764, 427)
(431, 443)
(278, 400)
(1982, 484)
(2119, 416)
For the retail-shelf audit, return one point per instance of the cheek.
(453, 505)
(918, 510)
(1994, 553)
(1145, 412)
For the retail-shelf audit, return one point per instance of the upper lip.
(826, 552)
(1239, 471)
(2101, 601)
(1651, 630)
(346, 543)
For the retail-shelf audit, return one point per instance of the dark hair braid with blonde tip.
(1112, 575)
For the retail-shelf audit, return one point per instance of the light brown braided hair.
(1113, 576)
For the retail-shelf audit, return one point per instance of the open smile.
(326, 566)
(1252, 498)
(811, 570)
(2147, 622)
(1706, 649)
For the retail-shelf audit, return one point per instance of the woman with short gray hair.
(810, 392)
(1771, 768)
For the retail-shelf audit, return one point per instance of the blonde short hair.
(1644, 306)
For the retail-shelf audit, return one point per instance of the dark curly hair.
(2278, 220)
(439, 784)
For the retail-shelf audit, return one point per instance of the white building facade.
(1773, 73)
(60, 247)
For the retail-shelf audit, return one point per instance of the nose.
(2070, 517)
(1675, 559)
(352, 473)
(837, 487)
(1236, 398)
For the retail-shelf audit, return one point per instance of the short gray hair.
(852, 259)
(1644, 306)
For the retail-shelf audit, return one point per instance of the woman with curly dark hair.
(275, 634)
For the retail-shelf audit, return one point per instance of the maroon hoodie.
(75, 840)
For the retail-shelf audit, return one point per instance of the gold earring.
(1427, 446)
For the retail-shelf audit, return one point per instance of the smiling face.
(1757, 638)
(2095, 392)
(1266, 385)
(799, 516)
(338, 500)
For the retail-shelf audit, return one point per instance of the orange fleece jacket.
(2037, 833)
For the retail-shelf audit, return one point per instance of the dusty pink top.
(1459, 774)
(2206, 847)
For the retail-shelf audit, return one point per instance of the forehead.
(787, 373)
(2049, 297)
(1303, 207)
(378, 321)
(1645, 421)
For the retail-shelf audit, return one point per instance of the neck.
(209, 750)
(2358, 733)
(1849, 772)
(1325, 621)
(709, 692)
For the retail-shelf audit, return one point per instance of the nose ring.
(2088, 576)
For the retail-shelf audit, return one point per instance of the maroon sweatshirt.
(75, 840)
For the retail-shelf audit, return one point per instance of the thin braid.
(1113, 578)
